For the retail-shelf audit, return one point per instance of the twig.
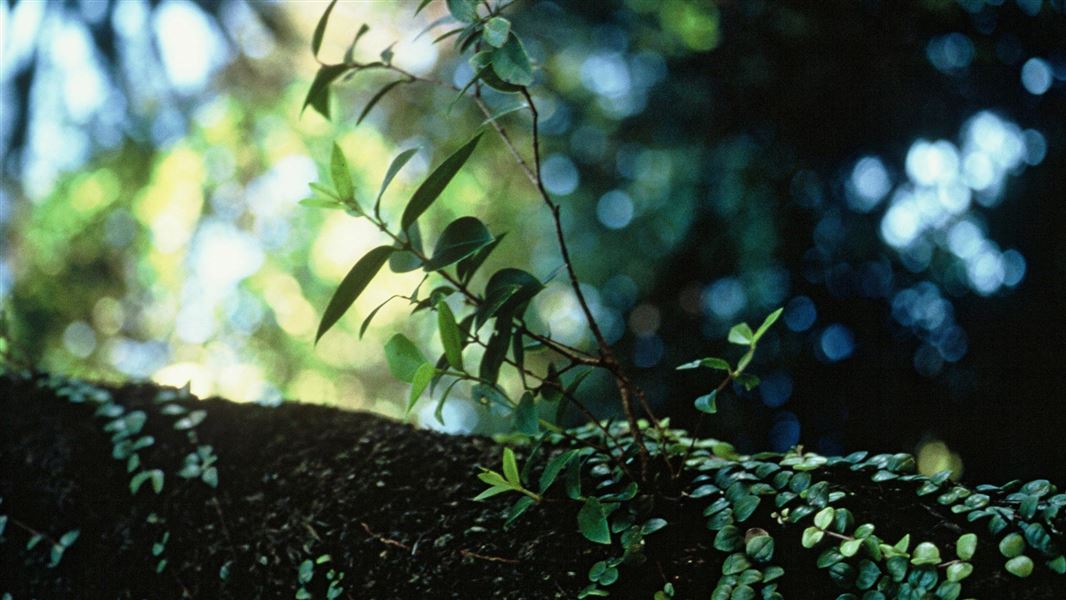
(499, 559)
(383, 539)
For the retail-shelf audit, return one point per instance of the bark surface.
(390, 505)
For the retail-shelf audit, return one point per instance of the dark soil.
(390, 504)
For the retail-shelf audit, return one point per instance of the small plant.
(615, 470)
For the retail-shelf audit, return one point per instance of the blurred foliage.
(709, 157)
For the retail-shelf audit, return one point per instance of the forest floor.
(388, 504)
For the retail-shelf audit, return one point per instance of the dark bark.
(388, 503)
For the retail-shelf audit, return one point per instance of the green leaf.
(342, 177)
(554, 467)
(507, 291)
(760, 548)
(592, 522)
(390, 174)
(1058, 564)
(351, 286)
(747, 380)
(320, 29)
(745, 506)
(735, 564)
(496, 350)
(373, 313)
(741, 334)
(707, 403)
(377, 98)
(481, 63)
(492, 491)
(497, 30)
(850, 547)
(387, 54)
(729, 539)
(811, 537)
(403, 357)
(525, 416)
(55, 556)
(1037, 537)
(154, 475)
(511, 62)
(404, 261)
(510, 467)
(709, 363)
(419, 382)
(320, 203)
(318, 95)
(68, 538)
(824, 518)
(652, 525)
(767, 323)
(517, 509)
(959, 571)
(469, 265)
(463, 10)
(1020, 566)
(487, 394)
(450, 336)
(1012, 545)
(965, 546)
(868, 574)
(421, 5)
(461, 238)
(432, 187)
(493, 478)
(210, 477)
(925, 553)
(349, 54)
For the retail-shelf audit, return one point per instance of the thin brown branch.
(499, 559)
(383, 539)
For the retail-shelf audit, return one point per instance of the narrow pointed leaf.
(525, 416)
(342, 177)
(373, 313)
(554, 467)
(394, 168)
(318, 95)
(421, 5)
(320, 29)
(461, 238)
(349, 55)
(420, 381)
(450, 336)
(377, 98)
(469, 265)
(496, 350)
(510, 467)
(492, 491)
(767, 323)
(351, 286)
(432, 187)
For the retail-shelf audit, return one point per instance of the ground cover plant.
(653, 510)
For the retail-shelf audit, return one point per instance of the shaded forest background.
(891, 173)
